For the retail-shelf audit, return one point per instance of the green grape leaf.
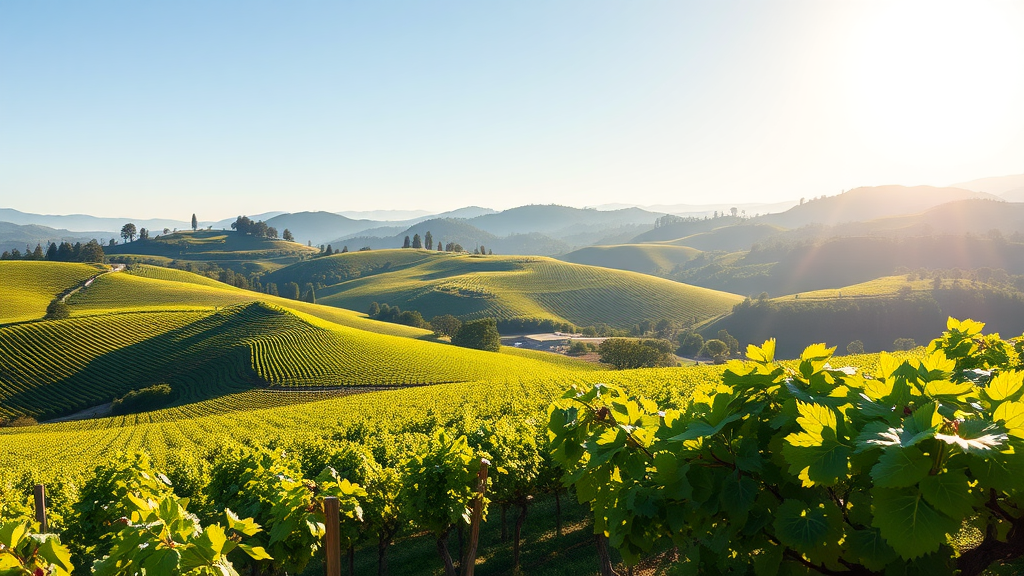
(255, 552)
(908, 523)
(823, 464)
(738, 494)
(869, 548)
(764, 354)
(1011, 415)
(802, 527)
(900, 467)
(768, 562)
(946, 389)
(949, 492)
(1005, 386)
(977, 437)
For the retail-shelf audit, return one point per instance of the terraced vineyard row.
(28, 287)
(153, 288)
(531, 287)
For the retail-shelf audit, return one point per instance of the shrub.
(855, 347)
(625, 353)
(480, 334)
(143, 400)
(58, 310)
(904, 344)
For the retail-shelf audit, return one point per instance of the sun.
(931, 80)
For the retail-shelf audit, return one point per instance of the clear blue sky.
(163, 108)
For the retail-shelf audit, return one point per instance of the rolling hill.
(559, 221)
(735, 238)
(16, 236)
(151, 326)
(460, 231)
(505, 287)
(224, 247)
(653, 259)
(686, 227)
(876, 312)
(869, 203)
(28, 287)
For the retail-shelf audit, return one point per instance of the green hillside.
(28, 287)
(655, 259)
(151, 288)
(875, 312)
(129, 332)
(222, 246)
(506, 287)
(738, 237)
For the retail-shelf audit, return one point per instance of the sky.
(164, 108)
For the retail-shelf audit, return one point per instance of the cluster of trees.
(627, 353)
(259, 228)
(395, 315)
(480, 334)
(427, 242)
(330, 250)
(534, 326)
(142, 400)
(89, 252)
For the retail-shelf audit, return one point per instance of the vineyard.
(655, 259)
(506, 287)
(29, 286)
(277, 406)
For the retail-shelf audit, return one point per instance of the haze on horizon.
(161, 109)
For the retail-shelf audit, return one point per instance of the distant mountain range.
(16, 236)
(553, 229)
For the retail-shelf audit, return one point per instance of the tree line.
(90, 252)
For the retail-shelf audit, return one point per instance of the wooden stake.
(469, 562)
(40, 496)
(332, 539)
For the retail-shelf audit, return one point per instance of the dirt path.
(93, 412)
(113, 268)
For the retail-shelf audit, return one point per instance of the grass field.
(506, 287)
(214, 245)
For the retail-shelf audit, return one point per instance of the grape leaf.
(909, 524)
(871, 550)
(977, 437)
(801, 527)
(900, 467)
(1005, 386)
(1011, 415)
(949, 492)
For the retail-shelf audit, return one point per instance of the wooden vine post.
(469, 561)
(39, 492)
(332, 538)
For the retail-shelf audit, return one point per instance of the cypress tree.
(408, 243)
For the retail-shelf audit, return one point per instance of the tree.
(374, 310)
(38, 253)
(128, 232)
(143, 234)
(730, 341)
(344, 249)
(690, 343)
(626, 353)
(482, 249)
(855, 347)
(290, 290)
(51, 251)
(904, 344)
(309, 293)
(428, 241)
(408, 243)
(92, 252)
(446, 325)
(480, 334)
(167, 231)
(58, 310)
(733, 211)
(287, 236)
(716, 350)
(195, 224)
(416, 241)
